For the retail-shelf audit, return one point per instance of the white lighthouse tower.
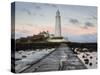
(58, 37)
(58, 24)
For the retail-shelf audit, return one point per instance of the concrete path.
(62, 58)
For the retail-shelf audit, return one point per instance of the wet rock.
(85, 49)
(91, 57)
(90, 64)
(35, 69)
(83, 56)
(86, 61)
(96, 59)
(77, 50)
(96, 62)
(23, 56)
(87, 54)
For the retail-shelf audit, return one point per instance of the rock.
(85, 49)
(23, 56)
(83, 56)
(96, 62)
(90, 64)
(91, 57)
(96, 59)
(86, 61)
(87, 54)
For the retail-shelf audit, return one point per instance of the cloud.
(73, 21)
(38, 7)
(88, 24)
(46, 4)
(30, 25)
(42, 15)
(53, 5)
(75, 30)
(92, 18)
(28, 12)
(30, 29)
(25, 10)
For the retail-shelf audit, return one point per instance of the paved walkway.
(62, 58)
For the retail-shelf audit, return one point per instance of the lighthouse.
(58, 37)
(58, 24)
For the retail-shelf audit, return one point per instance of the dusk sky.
(78, 23)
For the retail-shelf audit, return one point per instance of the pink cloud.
(33, 29)
(74, 30)
(78, 30)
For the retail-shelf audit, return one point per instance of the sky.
(78, 23)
